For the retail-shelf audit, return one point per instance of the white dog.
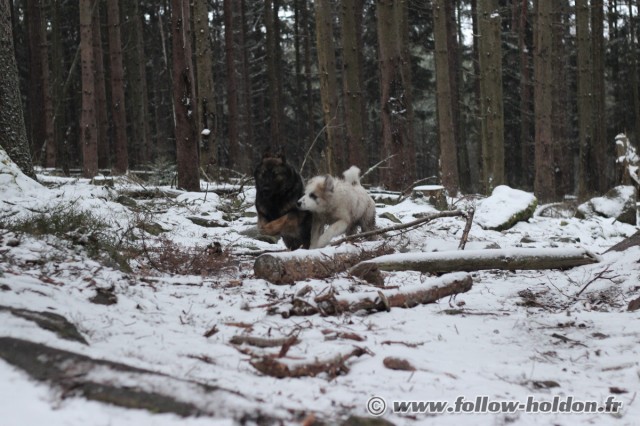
(343, 204)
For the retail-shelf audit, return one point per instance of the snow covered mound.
(12, 180)
(618, 203)
(504, 208)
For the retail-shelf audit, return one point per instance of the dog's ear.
(328, 183)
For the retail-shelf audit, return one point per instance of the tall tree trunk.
(50, 147)
(526, 110)
(400, 169)
(635, 92)
(184, 97)
(59, 76)
(491, 97)
(235, 151)
(140, 148)
(102, 120)
(247, 90)
(544, 184)
(205, 89)
(603, 150)
(13, 137)
(35, 104)
(328, 86)
(446, 128)
(274, 69)
(88, 133)
(583, 35)
(118, 110)
(351, 20)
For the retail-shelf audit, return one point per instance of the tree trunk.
(491, 97)
(446, 127)
(102, 120)
(13, 137)
(602, 149)
(351, 20)
(204, 88)
(35, 104)
(140, 148)
(544, 184)
(184, 97)
(88, 132)
(50, 148)
(235, 151)
(328, 86)
(274, 70)
(397, 139)
(585, 101)
(118, 110)
(526, 106)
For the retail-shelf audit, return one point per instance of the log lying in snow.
(289, 267)
(383, 300)
(120, 384)
(475, 260)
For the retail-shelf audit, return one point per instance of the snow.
(503, 203)
(503, 342)
(613, 206)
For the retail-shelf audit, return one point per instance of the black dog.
(278, 188)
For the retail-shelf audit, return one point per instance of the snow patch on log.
(504, 208)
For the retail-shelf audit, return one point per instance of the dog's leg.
(334, 229)
(317, 226)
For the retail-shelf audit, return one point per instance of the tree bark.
(235, 151)
(88, 131)
(583, 36)
(476, 260)
(351, 20)
(444, 98)
(397, 133)
(35, 104)
(289, 267)
(204, 88)
(13, 137)
(118, 109)
(102, 120)
(544, 183)
(491, 96)
(328, 87)
(184, 98)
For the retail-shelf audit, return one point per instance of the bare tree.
(446, 129)
(118, 110)
(544, 183)
(88, 134)
(351, 19)
(184, 97)
(491, 97)
(204, 88)
(397, 136)
(13, 137)
(328, 85)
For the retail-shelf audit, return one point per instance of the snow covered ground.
(515, 335)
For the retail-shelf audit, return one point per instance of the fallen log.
(383, 300)
(120, 384)
(289, 267)
(476, 260)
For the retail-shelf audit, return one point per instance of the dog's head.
(273, 174)
(317, 194)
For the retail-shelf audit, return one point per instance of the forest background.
(470, 94)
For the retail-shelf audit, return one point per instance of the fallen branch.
(413, 224)
(263, 342)
(476, 260)
(383, 300)
(289, 267)
(467, 228)
(332, 367)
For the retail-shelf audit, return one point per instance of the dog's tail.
(352, 175)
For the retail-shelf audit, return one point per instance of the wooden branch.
(426, 218)
(467, 228)
(383, 300)
(289, 267)
(333, 366)
(263, 342)
(476, 260)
